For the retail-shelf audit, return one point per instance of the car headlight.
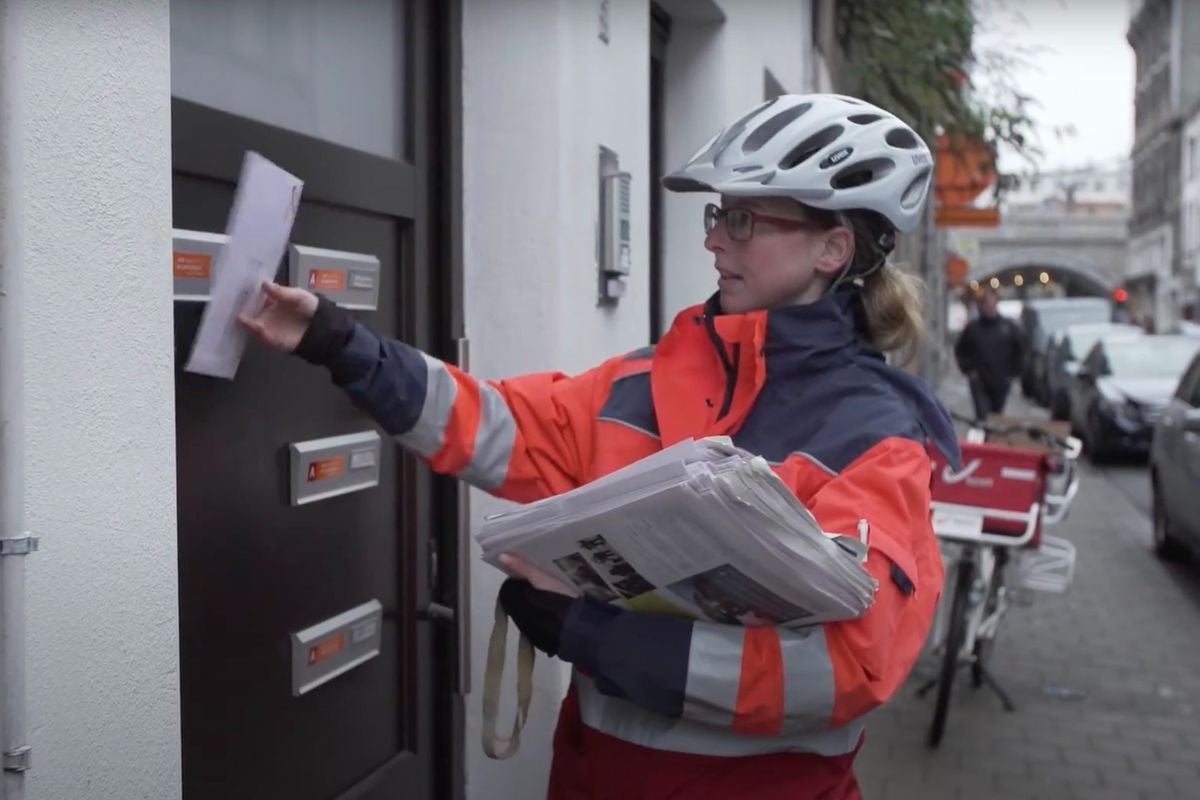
(1121, 410)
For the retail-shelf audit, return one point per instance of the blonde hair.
(894, 305)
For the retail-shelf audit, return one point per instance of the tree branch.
(913, 56)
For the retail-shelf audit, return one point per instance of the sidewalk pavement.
(1106, 680)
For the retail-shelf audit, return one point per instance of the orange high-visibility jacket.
(848, 434)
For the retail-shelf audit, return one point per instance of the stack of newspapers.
(701, 529)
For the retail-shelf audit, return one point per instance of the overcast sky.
(1082, 73)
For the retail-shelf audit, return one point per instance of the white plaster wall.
(542, 92)
(766, 34)
(605, 91)
(696, 108)
(87, 89)
(714, 73)
(517, 229)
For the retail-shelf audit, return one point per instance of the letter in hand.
(520, 568)
(284, 317)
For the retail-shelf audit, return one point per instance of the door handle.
(436, 612)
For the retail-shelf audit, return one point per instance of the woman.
(786, 359)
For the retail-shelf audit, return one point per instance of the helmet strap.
(886, 242)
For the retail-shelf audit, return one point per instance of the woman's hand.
(284, 316)
(537, 602)
(520, 568)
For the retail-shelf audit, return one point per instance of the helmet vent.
(811, 146)
(902, 138)
(735, 130)
(862, 173)
(864, 119)
(774, 125)
(741, 123)
(915, 192)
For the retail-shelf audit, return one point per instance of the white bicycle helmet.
(825, 150)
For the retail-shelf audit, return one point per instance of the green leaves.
(913, 57)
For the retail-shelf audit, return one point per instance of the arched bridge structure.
(1086, 254)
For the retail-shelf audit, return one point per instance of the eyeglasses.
(739, 222)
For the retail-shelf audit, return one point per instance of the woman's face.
(783, 262)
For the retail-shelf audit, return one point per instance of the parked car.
(1186, 327)
(1040, 317)
(1175, 469)
(1063, 353)
(1122, 388)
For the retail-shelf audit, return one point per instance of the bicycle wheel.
(955, 634)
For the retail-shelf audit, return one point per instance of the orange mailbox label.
(326, 468)
(330, 280)
(191, 265)
(326, 648)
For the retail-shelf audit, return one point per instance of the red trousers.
(589, 765)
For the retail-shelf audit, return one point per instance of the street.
(1132, 481)
(1106, 678)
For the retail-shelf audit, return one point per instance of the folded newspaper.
(700, 528)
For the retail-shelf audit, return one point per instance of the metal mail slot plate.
(324, 468)
(193, 256)
(335, 646)
(349, 279)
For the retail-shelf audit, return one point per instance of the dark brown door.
(660, 35)
(253, 568)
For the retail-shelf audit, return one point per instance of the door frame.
(451, 572)
(660, 37)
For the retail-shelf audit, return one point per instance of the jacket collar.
(834, 323)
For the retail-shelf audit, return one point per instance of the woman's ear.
(836, 252)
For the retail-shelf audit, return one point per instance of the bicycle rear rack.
(1030, 518)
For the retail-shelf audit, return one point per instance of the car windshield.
(1150, 356)
(1082, 341)
(1053, 319)
(1048, 319)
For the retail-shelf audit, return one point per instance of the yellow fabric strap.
(491, 688)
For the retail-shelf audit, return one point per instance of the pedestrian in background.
(989, 352)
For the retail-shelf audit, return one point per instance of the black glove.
(539, 614)
(326, 334)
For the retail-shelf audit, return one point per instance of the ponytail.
(893, 301)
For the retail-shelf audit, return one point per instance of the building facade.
(1163, 34)
(1190, 159)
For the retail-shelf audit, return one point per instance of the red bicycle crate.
(996, 478)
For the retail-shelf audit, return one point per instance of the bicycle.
(992, 508)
